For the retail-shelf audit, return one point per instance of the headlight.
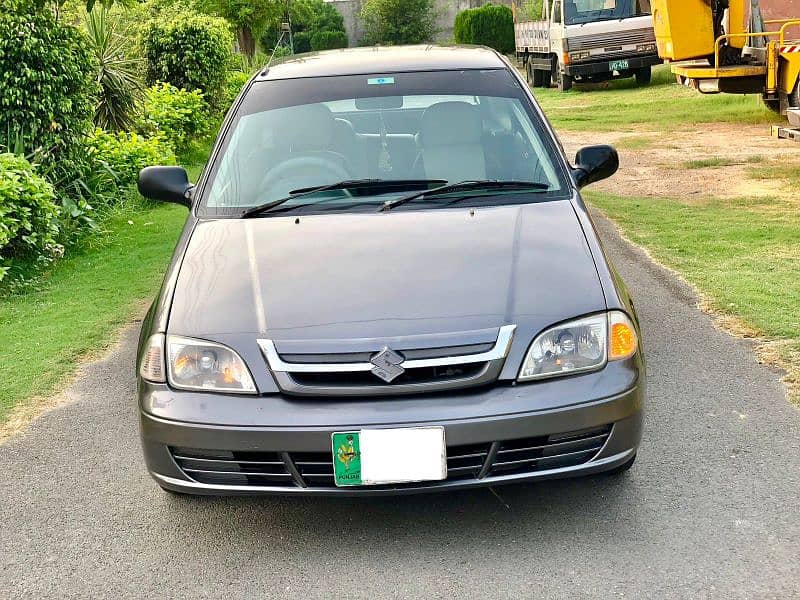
(576, 56)
(647, 48)
(200, 365)
(579, 346)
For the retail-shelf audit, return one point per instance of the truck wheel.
(794, 97)
(774, 104)
(564, 82)
(530, 73)
(538, 78)
(643, 76)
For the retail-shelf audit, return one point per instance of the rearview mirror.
(595, 163)
(165, 184)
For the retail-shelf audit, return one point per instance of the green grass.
(73, 310)
(636, 142)
(770, 172)
(662, 106)
(82, 301)
(706, 163)
(743, 254)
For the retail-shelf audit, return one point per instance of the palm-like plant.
(118, 73)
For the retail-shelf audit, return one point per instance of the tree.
(398, 21)
(310, 18)
(250, 18)
(534, 10)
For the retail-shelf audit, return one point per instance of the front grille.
(610, 40)
(420, 376)
(315, 469)
(358, 367)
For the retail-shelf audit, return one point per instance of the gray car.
(387, 283)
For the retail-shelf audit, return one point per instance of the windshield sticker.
(380, 81)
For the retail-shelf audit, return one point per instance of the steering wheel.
(303, 172)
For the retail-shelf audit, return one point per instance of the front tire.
(794, 97)
(643, 76)
(563, 82)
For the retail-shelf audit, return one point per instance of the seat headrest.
(450, 123)
(308, 127)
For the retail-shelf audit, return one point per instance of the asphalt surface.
(711, 509)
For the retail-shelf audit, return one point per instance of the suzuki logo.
(387, 365)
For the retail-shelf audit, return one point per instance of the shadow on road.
(550, 511)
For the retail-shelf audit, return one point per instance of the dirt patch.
(653, 164)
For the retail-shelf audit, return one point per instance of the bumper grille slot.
(466, 462)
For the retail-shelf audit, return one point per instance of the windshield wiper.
(488, 185)
(339, 185)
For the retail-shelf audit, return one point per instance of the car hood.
(385, 275)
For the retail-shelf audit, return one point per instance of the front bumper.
(602, 67)
(620, 416)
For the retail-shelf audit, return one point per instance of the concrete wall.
(448, 9)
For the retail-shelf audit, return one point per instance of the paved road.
(711, 510)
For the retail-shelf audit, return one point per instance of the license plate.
(618, 65)
(379, 456)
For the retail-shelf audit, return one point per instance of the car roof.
(382, 59)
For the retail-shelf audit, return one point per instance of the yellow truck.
(726, 46)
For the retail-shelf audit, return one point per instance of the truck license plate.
(619, 65)
(379, 456)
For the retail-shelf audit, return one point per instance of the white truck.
(585, 41)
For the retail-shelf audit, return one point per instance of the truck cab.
(585, 41)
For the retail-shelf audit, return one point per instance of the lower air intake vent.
(315, 469)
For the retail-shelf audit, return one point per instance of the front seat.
(305, 138)
(450, 142)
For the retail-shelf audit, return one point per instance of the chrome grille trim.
(498, 352)
(592, 42)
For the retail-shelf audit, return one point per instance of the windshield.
(577, 12)
(414, 129)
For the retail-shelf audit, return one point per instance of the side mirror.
(165, 184)
(595, 163)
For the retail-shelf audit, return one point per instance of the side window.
(556, 14)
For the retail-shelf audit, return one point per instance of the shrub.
(177, 115)
(398, 21)
(489, 25)
(191, 52)
(125, 154)
(302, 42)
(28, 213)
(47, 84)
(236, 81)
(328, 40)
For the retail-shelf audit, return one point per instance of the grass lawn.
(663, 105)
(82, 301)
(73, 310)
(744, 255)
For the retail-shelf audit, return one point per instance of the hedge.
(192, 52)
(328, 40)
(490, 25)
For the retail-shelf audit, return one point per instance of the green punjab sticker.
(346, 458)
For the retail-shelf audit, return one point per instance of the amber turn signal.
(622, 340)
